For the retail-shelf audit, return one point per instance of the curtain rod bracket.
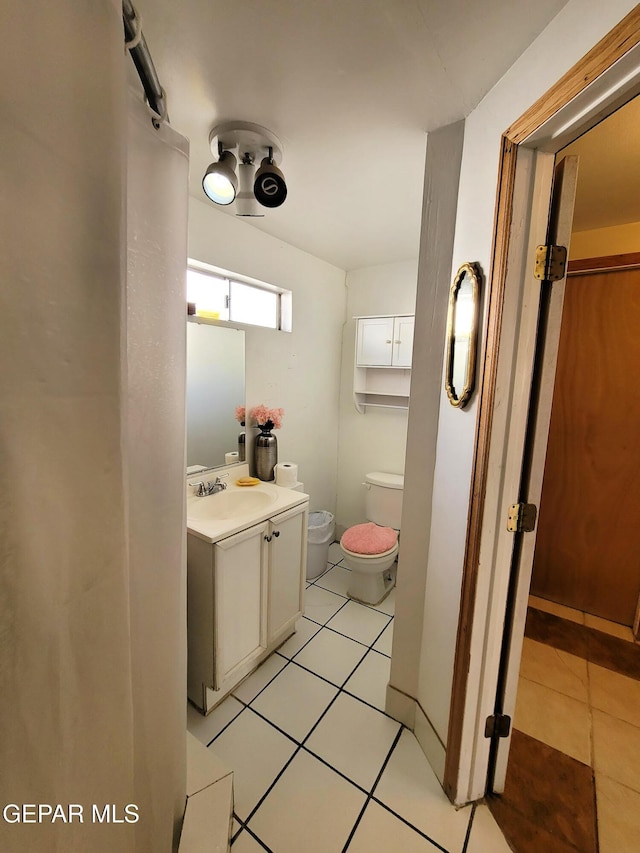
(137, 46)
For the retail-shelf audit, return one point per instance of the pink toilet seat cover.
(369, 538)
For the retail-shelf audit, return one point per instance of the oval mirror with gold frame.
(462, 335)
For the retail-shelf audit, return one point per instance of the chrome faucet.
(209, 488)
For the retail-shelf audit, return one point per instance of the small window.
(217, 295)
(209, 293)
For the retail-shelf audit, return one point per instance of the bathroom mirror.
(462, 335)
(215, 387)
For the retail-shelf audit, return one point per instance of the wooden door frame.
(591, 69)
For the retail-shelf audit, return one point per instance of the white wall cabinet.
(384, 341)
(244, 596)
(382, 366)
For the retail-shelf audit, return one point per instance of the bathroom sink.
(229, 504)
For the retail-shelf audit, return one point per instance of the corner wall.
(298, 371)
(442, 171)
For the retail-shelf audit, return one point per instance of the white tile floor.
(318, 766)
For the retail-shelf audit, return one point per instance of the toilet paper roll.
(232, 456)
(286, 474)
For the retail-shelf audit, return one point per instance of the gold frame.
(460, 401)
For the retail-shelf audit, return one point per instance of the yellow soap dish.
(247, 481)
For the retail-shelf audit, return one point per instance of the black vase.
(242, 446)
(266, 453)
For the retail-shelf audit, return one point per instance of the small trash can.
(319, 537)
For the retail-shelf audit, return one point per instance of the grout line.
(467, 837)
(226, 726)
(346, 636)
(250, 832)
(335, 769)
(370, 794)
(303, 742)
(272, 785)
(410, 825)
(247, 704)
(241, 822)
(292, 660)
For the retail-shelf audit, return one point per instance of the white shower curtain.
(155, 306)
(92, 615)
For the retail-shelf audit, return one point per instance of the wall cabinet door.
(402, 341)
(384, 341)
(240, 635)
(287, 563)
(374, 346)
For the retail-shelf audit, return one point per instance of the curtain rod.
(137, 46)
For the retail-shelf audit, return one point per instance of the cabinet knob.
(276, 533)
(267, 538)
(389, 341)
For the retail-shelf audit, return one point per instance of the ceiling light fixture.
(269, 186)
(246, 144)
(220, 181)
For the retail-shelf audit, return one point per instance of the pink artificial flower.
(240, 414)
(276, 416)
(267, 417)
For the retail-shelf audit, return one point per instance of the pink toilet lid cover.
(369, 538)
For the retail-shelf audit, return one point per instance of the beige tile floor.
(593, 715)
(318, 766)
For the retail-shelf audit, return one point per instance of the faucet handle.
(200, 488)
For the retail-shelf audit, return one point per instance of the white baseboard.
(429, 742)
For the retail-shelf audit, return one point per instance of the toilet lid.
(369, 538)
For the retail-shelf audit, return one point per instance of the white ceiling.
(349, 86)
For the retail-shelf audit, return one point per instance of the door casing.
(606, 78)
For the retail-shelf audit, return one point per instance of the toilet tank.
(383, 502)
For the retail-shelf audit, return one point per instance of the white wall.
(598, 242)
(442, 172)
(298, 371)
(376, 440)
(586, 21)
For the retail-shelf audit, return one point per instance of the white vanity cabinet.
(244, 596)
(239, 592)
(287, 557)
(382, 364)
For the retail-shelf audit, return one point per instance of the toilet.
(369, 550)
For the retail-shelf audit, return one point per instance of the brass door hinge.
(551, 263)
(497, 725)
(522, 518)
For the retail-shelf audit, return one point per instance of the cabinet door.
(403, 341)
(287, 562)
(240, 635)
(374, 345)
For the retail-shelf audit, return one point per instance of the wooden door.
(587, 547)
